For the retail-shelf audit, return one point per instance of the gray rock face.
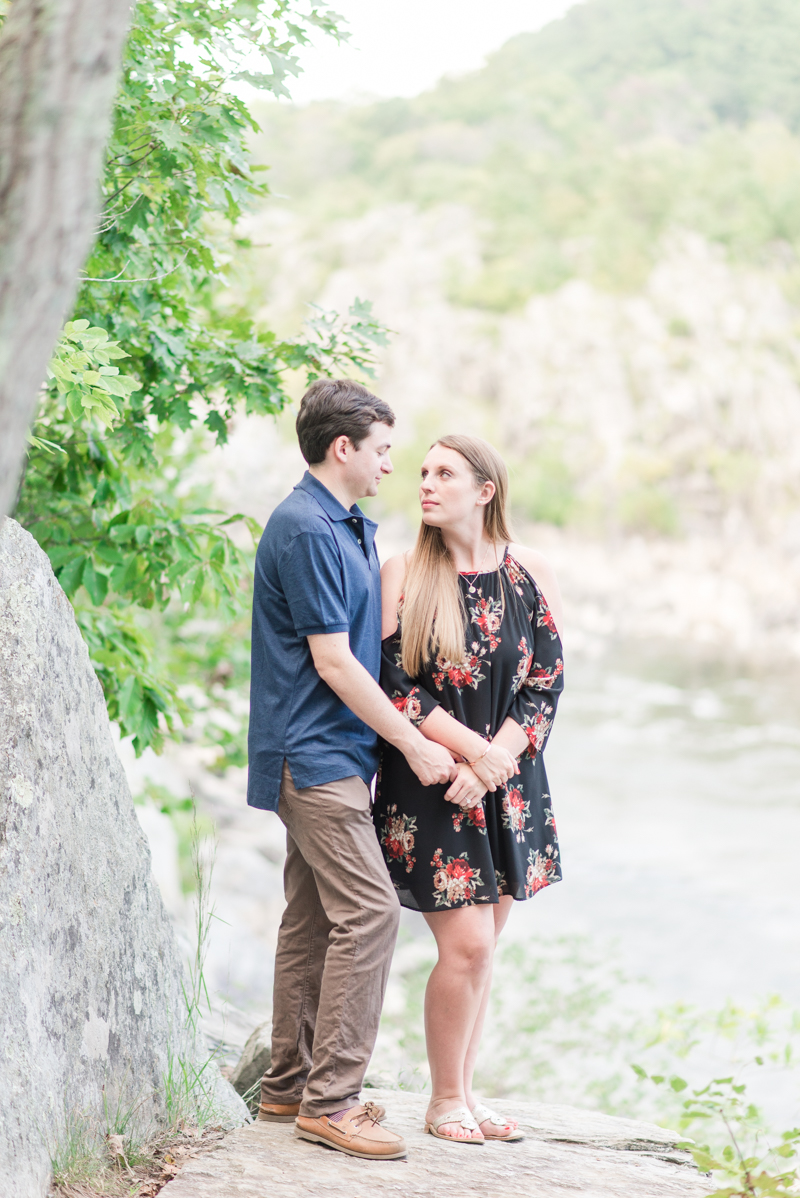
(566, 1152)
(90, 985)
(254, 1062)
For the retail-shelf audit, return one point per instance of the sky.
(403, 47)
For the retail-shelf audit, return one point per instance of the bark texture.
(59, 67)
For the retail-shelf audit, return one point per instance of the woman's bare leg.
(501, 914)
(465, 938)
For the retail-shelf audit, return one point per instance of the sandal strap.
(484, 1113)
(459, 1115)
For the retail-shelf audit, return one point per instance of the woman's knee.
(471, 953)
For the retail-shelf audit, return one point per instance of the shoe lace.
(370, 1112)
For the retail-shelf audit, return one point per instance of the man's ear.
(340, 448)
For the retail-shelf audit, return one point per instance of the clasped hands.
(487, 773)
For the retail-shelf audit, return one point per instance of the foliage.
(747, 1166)
(189, 1079)
(578, 148)
(736, 56)
(104, 491)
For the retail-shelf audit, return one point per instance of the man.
(315, 716)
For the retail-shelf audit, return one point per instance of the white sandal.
(459, 1115)
(484, 1114)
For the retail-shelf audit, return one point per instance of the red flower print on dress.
(536, 728)
(466, 673)
(455, 881)
(523, 666)
(542, 677)
(409, 705)
(515, 812)
(544, 618)
(488, 615)
(475, 817)
(398, 837)
(540, 872)
(516, 574)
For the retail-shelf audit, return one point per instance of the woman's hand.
(467, 790)
(496, 767)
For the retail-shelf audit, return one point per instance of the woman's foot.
(494, 1126)
(457, 1130)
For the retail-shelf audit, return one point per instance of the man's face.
(367, 465)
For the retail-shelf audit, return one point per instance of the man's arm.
(359, 691)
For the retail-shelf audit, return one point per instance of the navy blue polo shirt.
(317, 570)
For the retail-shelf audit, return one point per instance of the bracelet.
(483, 754)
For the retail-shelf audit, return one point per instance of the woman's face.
(448, 492)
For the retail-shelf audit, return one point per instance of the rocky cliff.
(90, 989)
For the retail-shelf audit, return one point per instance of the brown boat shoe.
(278, 1112)
(287, 1112)
(358, 1133)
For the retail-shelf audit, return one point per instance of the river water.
(676, 787)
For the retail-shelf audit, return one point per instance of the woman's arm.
(393, 572)
(498, 765)
(510, 736)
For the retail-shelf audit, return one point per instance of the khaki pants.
(335, 946)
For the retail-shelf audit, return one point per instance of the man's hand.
(467, 790)
(432, 763)
(496, 767)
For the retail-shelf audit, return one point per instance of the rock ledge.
(567, 1151)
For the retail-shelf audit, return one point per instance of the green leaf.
(130, 700)
(123, 386)
(46, 446)
(71, 574)
(59, 554)
(217, 425)
(61, 371)
(75, 404)
(95, 582)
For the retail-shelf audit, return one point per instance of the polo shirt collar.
(336, 510)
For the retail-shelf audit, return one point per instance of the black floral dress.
(439, 856)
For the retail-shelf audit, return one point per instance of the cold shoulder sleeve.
(539, 679)
(410, 699)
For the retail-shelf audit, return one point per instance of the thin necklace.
(480, 567)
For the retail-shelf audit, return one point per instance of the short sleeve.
(411, 700)
(310, 571)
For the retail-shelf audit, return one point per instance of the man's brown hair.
(334, 408)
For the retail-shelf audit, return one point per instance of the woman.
(472, 656)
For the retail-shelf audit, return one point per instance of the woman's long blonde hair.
(433, 616)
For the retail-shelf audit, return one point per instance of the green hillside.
(580, 146)
(742, 57)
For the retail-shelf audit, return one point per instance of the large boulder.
(91, 1001)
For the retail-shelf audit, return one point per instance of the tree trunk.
(59, 68)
